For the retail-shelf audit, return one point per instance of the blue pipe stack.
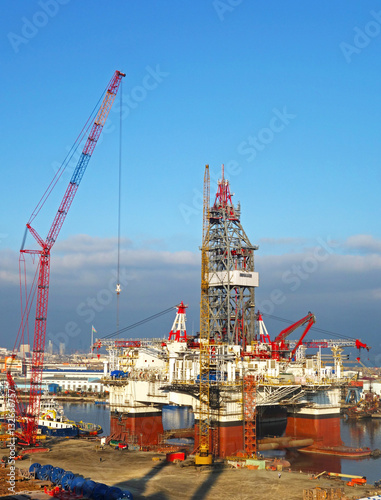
(77, 484)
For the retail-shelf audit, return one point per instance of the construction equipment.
(326, 343)
(29, 419)
(204, 457)
(361, 345)
(279, 346)
(250, 415)
(367, 371)
(350, 476)
(310, 344)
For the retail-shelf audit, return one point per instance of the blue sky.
(286, 95)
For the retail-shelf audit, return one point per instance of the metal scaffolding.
(250, 415)
(204, 457)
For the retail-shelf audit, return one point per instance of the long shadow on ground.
(138, 486)
(204, 488)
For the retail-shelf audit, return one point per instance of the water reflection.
(89, 412)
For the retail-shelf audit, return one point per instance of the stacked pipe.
(77, 484)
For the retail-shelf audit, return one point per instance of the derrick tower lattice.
(232, 279)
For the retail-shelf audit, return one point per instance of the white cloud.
(282, 241)
(88, 244)
(343, 289)
(363, 242)
(9, 267)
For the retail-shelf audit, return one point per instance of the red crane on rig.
(29, 420)
(280, 349)
(279, 346)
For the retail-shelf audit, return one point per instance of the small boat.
(365, 408)
(52, 421)
(87, 429)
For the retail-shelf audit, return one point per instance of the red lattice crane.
(29, 422)
(279, 346)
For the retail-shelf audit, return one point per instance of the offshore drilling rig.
(220, 385)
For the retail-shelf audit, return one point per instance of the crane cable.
(138, 323)
(118, 289)
(81, 136)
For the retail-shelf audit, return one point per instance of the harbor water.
(354, 433)
(89, 412)
(360, 434)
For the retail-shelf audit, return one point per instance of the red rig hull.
(320, 424)
(143, 427)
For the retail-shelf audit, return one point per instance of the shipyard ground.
(158, 480)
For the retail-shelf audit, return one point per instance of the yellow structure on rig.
(204, 457)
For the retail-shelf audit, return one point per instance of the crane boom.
(326, 343)
(30, 424)
(204, 457)
(310, 320)
(279, 346)
(84, 159)
(287, 331)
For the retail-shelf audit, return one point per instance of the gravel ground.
(149, 478)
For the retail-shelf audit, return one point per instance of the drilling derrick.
(232, 279)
